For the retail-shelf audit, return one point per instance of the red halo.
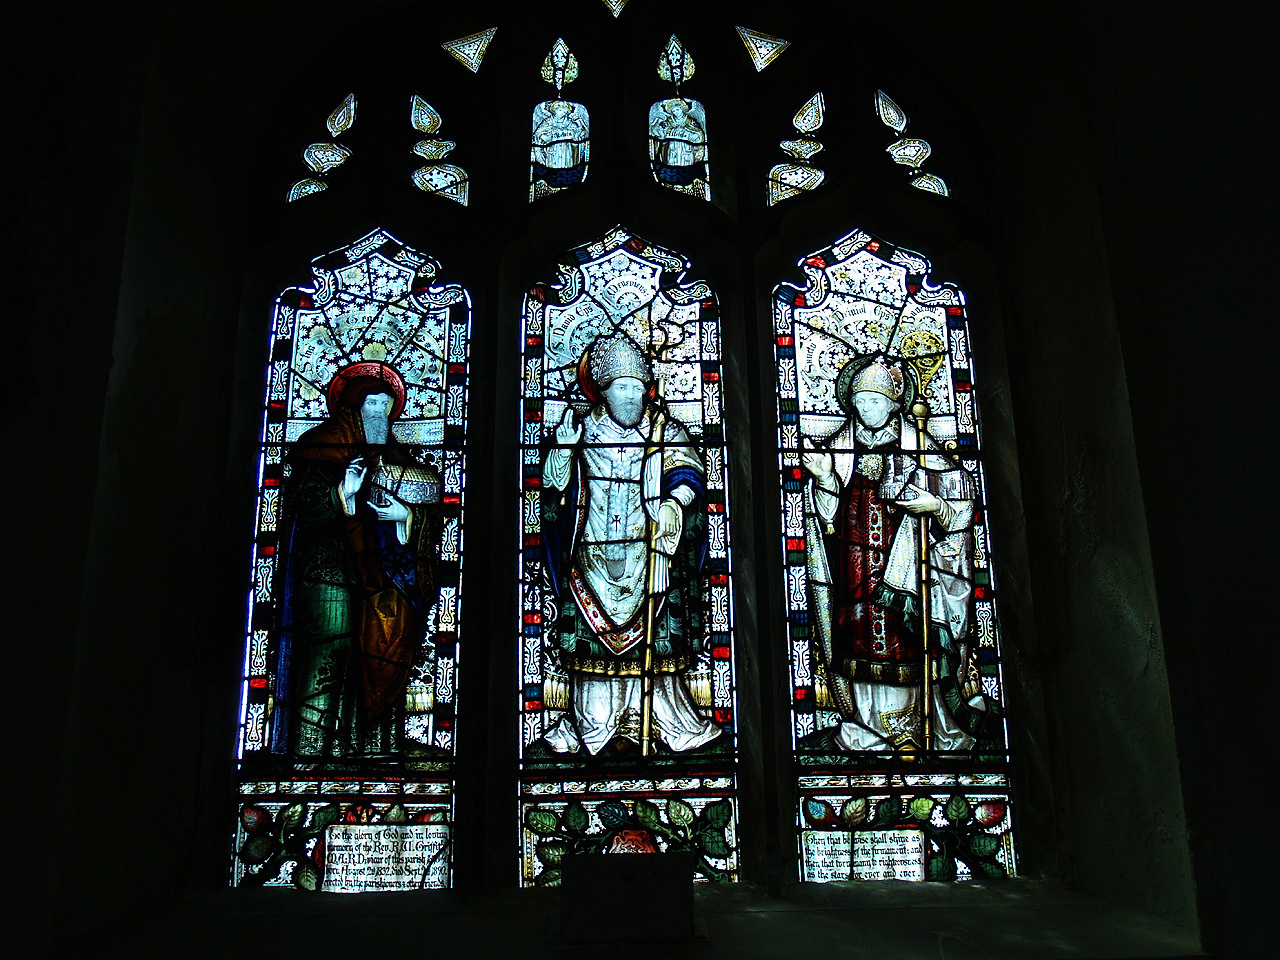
(586, 381)
(368, 368)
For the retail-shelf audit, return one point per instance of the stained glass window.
(446, 179)
(761, 48)
(897, 710)
(911, 152)
(347, 739)
(561, 135)
(678, 129)
(793, 179)
(470, 50)
(626, 632)
(321, 158)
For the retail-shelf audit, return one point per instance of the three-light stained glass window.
(347, 722)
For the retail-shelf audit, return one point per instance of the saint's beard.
(626, 413)
(376, 428)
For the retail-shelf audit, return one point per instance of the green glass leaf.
(291, 817)
(396, 813)
(550, 877)
(257, 850)
(957, 809)
(922, 807)
(718, 813)
(551, 852)
(941, 868)
(575, 816)
(679, 813)
(647, 813)
(542, 822)
(306, 876)
(995, 871)
(984, 844)
(326, 816)
(713, 844)
(888, 810)
(613, 814)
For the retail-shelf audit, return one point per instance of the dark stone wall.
(1113, 240)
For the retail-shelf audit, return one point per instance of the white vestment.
(615, 554)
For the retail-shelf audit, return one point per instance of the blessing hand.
(568, 432)
(353, 478)
(820, 463)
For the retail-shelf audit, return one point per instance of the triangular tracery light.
(615, 6)
(470, 50)
(762, 48)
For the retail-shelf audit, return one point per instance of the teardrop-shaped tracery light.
(675, 64)
(891, 115)
(423, 115)
(909, 152)
(810, 116)
(304, 188)
(561, 66)
(323, 157)
(931, 184)
(343, 117)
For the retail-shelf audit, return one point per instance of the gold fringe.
(555, 692)
(699, 683)
(624, 668)
(822, 698)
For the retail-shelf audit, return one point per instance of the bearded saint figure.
(869, 490)
(361, 521)
(624, 541)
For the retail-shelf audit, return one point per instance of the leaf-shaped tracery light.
(321, 158)
(561, 66)
(675, 65)
(445, 179)
(792, 179)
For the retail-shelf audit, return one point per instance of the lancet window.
(898, 718)
(626, 633)
(347, 725)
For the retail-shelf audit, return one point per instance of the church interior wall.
(146, 278)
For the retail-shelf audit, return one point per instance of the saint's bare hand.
(923, 501)
(354, 476)
(819, 463)
(568, 432)
(394, 511)
(669, 519)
